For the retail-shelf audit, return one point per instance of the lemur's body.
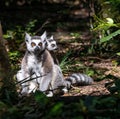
(39, 66)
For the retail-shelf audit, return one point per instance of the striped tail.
(78, 79)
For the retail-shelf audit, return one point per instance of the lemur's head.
(35, 44)
(51, 44)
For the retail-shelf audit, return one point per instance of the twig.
(24, 80)
(75, 88)
(46, 22)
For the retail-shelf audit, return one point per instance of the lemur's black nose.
(37, 49)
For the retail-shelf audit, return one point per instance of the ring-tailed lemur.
(51, 46)
(38, 65)
(82, 79)
(33, 85)
(51, 43)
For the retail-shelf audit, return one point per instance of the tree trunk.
(4, 60)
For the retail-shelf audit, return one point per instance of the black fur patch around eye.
(50, 40)
(53, 45)
(33, 44)
(40, 44)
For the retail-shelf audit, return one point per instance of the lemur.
(43, 73)
(51, 47)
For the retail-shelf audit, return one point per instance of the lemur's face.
(51, 44)
(35, 44)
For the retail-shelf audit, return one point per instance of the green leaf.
(57, 109)
(107, 38)
(118, 53)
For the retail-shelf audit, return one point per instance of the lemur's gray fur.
(39, 66)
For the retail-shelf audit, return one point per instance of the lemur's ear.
(27, 37)
(51, 37)
(44, 36)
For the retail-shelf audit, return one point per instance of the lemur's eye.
(33, 44)
(53, 45)
(40, 44)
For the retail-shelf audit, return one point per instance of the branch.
(43, 25)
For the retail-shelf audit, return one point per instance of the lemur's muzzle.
(37, 49)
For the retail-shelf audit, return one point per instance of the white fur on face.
(51, 44)
(35, 42)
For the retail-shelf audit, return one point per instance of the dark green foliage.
(38, 106)
(106, 27)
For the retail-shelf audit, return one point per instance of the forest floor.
(71, 29)
(105, 65)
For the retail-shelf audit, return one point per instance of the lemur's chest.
(34, 64)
